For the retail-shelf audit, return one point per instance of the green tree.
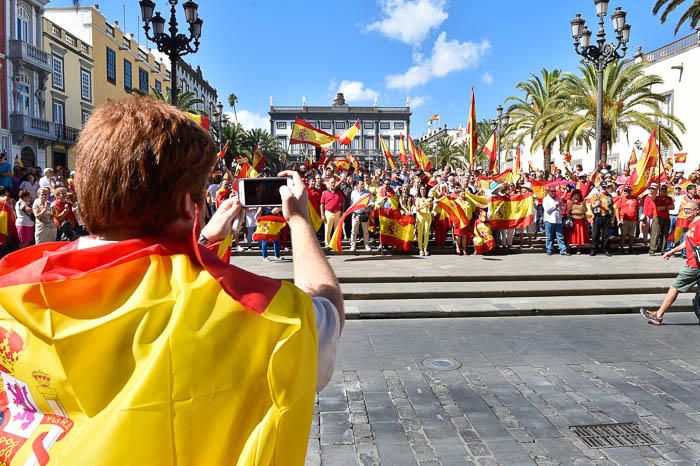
(628, 101)
(447, 152)
(186, 101)
(529, 113)
(691, 15)
(232, 101)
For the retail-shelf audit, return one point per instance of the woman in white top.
(25, 221)
(30, 184)
(45, 229)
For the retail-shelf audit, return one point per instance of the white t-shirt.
(212, 189)
(23, 219)
(32, 188)
(44, 182)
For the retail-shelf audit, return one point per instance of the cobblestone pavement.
(522, 382)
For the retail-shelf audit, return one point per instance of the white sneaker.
(352, 248)
(239, 249)
(266, 259)
(367, 248)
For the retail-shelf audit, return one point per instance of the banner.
(511, 211)
(337, 238)
(304, 133)
(396, 230)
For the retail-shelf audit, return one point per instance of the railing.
(38, 127)
(65, 134)
(340, 109)
(674, 48)
(27, 52)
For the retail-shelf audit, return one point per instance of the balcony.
(43, 129)
(29, 55)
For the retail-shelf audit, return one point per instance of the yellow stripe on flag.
(511, 212)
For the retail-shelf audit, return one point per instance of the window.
(355, 144)
(126, 43)
(127, 75)
(385, 126)
(158, 87)
(368, 144)
(387, 142)
(397, 144)
(326, 125)
(143, 80)
(281, 125)
(111, 66)
(282, 142)
(23, 24)
(339, 125)
(23, 98)
(58, 113)
(109, 29)
(85, 84)
(369, 125)
(55, 30)
(84, 47)
(167, 91)
(398, 125)
(57, 73)
(84, 117)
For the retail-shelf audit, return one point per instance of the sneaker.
(565, 253)
(549, 253)
(239, 249)
(608, 253)
(266, 259)
(650, 316)
(367, 248)
(352, 248)
(426, 253)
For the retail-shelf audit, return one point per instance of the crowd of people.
(575, 212)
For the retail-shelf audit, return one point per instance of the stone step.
(472, 289)
(497, 307)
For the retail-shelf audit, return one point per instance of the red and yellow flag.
(304, 133)
(423, 160)
(632, 161)
(517, 163)
(396, 230)
(483, 236)
(532, 168)
(506, 176)
(314, 214)
(646, 167)
(454, 211)
(511, 211)
(346, 137)
(490, 150)
(539, 188)
(201, 120)
(258, 159)
(402, 151)
(680, 157)
(412, 151)
(269, 227)
(223, 151)
(472, 132)
(337, 238)
(7, 221)
(387, 155)
(170, 355)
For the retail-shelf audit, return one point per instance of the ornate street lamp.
(173, 43)
(601, 54)
(499, 125)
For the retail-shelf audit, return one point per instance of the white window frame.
(24, 98)
(23, 19)
(61, 114)
(57, 78)
(85, 84)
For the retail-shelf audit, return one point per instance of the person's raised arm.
(312, 272)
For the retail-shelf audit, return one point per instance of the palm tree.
(447, 152)
(692, 14)
(628, 101)
(232, 101)
(529, 113)
(186, 101)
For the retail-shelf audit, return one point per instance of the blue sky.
(433, 51)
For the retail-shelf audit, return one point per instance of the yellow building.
(69, 100)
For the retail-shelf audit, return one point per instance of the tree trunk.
(604, 152)
(548, 158)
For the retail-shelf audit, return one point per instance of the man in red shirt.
(661, 222)
(627, 211)
(332, 201)
(689, 274)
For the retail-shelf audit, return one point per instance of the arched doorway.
(28, 157)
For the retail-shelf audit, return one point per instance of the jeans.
(550, 230)
(275, 246)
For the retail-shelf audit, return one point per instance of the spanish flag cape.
(150, 352)
(483, 236)
(511, 211)
(7, 221)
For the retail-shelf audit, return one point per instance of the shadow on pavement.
(381, 258)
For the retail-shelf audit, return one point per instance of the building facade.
(387, 123)
(4, 110)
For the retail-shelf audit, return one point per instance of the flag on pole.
(304, 133)
(412, 151)
(680, 157)
(349, 134)
(424, 161)
(646, 167)
(337, 237)
(531, 166)
(435, 117)
(201, 120)
(387, 155)
(490, 150)
(633, 160)
(472, 132)
(258, 159)
(402, 151)
(516, 165)
(223, 151)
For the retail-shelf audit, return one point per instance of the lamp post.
(172, 43)
(498, 125)
(601, 54)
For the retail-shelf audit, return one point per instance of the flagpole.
(658, 147)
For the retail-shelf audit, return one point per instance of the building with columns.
(387, 123)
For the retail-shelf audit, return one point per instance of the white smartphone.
(262, 192)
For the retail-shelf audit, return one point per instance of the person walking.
(690, 272)
(553, 223)
(601, 207)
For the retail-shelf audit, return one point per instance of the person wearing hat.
(46, 180)
(660, 222)
(627, 212)
(601, 207)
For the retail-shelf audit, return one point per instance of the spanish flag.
(423, 160)
(396, 230)
(539, 188)
(258, 159)
(402, 151)
(223, 151)
(169, 356)
(633, 160)
(412, 151)
(349, 134)
(680, 157)
(269, 227)
(314, 214)
(511, 211)
(337, 238)
(435, 117)
(483, 236)
(201, 120)
(304, 133)
(457, 214)
(506, 176)
(387, 155)
(472, 132)
(7, 221)
(532, 168)
(646, 167)
(490, 150)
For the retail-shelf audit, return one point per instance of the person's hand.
(221, 222)
(295, 204)
(667, 255)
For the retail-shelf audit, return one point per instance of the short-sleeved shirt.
(667, 203)
(692, 238)
(333, 201)
(628, 208)
(5, 181)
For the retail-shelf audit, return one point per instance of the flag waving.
(412, 151)
(258, 159)
(402, 151)
(472, 134)
(387, 155)
(348, 135)
(304, 133)
(646, 167)
(490, 150)
(337, 237)
(222, 154)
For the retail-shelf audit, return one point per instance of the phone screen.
(263, 191)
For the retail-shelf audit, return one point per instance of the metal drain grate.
(627, 434)
(441, 364)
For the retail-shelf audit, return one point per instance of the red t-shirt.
(315, 197)
(692, 238)
(649, 207)
(58, 207)
(666, 202)
(332, 201)
(628, 208)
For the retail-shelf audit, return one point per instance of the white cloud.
(419, 100)
(409, 21)
(447, 56)
(250, 120)
(355, 91)
(487, 78)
